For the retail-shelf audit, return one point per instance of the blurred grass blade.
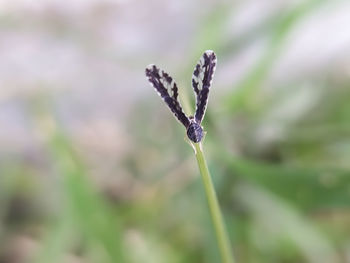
(278, 220)
(247, 88)
(90, 214)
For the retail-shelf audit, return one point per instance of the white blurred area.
(90, 56)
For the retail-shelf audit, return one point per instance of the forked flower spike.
(201, 82)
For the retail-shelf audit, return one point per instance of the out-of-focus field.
(94, 168)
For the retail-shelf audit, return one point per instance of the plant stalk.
(215, 212)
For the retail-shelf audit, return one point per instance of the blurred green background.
(94, 168)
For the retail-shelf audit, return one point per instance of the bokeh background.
(94, 168)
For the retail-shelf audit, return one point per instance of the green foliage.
(285, 197)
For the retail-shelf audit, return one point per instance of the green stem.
(218, 222)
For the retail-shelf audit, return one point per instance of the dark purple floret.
(195, 132)
(166, 87)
